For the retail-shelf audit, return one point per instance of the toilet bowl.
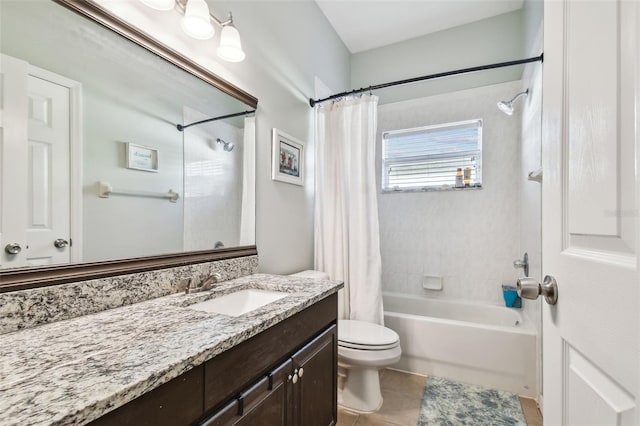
(363, 349)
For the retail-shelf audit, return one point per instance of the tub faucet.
(524, 264)
(206, 284)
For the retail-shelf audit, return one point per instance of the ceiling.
(367, 24)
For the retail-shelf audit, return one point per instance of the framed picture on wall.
(142, 158)
(287, 156)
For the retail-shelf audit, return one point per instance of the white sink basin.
(240, 302)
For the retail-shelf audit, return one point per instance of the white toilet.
(363, 349)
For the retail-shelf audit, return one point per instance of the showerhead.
(507, 106)
(227, 146)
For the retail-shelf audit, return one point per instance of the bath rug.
(449, 403)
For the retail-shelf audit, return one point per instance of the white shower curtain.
(347, 240)
(248, 215)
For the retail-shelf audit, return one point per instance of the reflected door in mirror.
(35, 206)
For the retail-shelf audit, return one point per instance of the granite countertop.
(71, 372)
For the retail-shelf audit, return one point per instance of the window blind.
(428, 157)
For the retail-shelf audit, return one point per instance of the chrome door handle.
(13, 248)
(529, 288)
(61, 243)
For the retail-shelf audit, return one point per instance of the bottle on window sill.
(459, 181)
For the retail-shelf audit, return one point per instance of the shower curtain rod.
(180, 127)
(313, 102)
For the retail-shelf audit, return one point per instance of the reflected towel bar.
(105, 190)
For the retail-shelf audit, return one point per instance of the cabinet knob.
(300, 372)
(295, 378)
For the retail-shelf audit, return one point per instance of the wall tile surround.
(470, 238)
(29, 308)
(530, 191)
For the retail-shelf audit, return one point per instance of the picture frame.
(142, 158)
(287, 155)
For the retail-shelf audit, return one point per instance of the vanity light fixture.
(160, 4)
(197, 23)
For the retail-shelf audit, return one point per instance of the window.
(428, 158)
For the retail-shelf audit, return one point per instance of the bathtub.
(490, 346)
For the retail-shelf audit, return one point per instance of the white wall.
(287, 44)
(470, 237)
(128, 226)
(496, 39)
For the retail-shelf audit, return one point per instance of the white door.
(47, 173)
(591, 144)
(34, 189)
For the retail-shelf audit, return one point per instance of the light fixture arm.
(181, 6)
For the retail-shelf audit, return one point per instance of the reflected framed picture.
(142, 158)
(287, 156)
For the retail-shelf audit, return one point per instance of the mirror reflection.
(92, 164)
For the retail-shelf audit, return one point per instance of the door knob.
(13, 248)
(529, 288)
(60, 243)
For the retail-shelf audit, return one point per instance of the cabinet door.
(268, 406)
(315, 392)
(265, 403)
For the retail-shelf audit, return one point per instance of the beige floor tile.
(401, 382)
(397, 408)
(370, 421)
(531, 412)
(346, 418)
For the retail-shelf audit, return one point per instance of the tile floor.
(402, 393)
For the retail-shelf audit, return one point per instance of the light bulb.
(160, 4)
(196, 22)
(230, 48)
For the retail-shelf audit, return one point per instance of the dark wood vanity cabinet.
(314, 396)
(285, 375)
(301, 391)
(295, 363)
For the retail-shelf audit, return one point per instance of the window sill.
(430, 189)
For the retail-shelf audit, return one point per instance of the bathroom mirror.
(105, 183)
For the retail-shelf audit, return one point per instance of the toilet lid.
(365, 335)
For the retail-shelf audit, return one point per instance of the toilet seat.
(366, 336)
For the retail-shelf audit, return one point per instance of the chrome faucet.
(206, 284)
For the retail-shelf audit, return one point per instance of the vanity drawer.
(230, 372)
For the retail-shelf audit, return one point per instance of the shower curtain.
(248, 215)
(347, 240)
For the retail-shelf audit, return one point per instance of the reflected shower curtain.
(347, 240)
(248, 215)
